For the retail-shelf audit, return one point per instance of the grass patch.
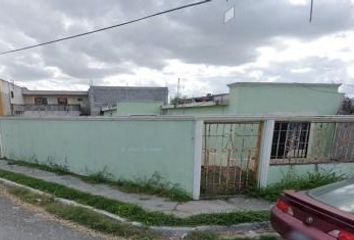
(51, 167)
(309, 181)
(133, 212)
(156, 185)
(83, 216)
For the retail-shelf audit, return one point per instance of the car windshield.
(339, 195)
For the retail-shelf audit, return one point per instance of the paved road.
(17, 223)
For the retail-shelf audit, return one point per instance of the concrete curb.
(250, 229)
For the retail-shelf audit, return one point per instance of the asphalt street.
(19, 223)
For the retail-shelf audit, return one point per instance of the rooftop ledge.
(193, 105)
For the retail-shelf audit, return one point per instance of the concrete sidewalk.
(147, 202)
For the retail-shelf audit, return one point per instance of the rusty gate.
(230, 157)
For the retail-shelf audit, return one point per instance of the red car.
(324, 213)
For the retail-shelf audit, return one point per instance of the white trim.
(2, 155)
(2, 151)
(289, 84)
(265, 152)
(198, 148)
(206, 118)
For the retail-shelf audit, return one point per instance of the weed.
(60, 169)
(309, 181)
(102, 176)
(133, 212)
(155, 185)
(34, 163)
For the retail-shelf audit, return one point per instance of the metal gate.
(230, 157)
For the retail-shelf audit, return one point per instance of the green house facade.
(254, 99)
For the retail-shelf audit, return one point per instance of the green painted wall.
(138, 108)
(260, 99)
(276, 173)
(130, 149)
(209, 110)
(135, 108)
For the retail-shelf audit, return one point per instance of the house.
(20, 101)
(244, 98)
(257, 134)
(264, 98)
(105, 99)
(52, 103)
(10, 94)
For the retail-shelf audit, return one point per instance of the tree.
(347, 106)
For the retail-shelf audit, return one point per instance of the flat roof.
(236, 84)
(127, 87)
(53, 93)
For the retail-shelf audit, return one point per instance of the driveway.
(20, 223)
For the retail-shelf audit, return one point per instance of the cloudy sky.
(268, 40)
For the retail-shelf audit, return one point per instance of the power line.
(106, 28)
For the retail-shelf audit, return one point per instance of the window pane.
(339, 195)
(290, 139)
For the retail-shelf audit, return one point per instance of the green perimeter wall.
(130, 149)
(277, 173)
(280, 99)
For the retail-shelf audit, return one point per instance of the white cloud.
(301, 70)
(193, 45)
(299, 2)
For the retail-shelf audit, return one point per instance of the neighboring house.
(10, 94)
(104, 98)
(264, 98)
(19, 101)
(52, 103)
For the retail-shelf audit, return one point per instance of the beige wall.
(53, 100)
(7, 99)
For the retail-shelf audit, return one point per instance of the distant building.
(52, 103)
(10, 94)
(19, 101)
(103, 98)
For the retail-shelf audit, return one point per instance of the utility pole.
(178, 87)
(177, 93)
